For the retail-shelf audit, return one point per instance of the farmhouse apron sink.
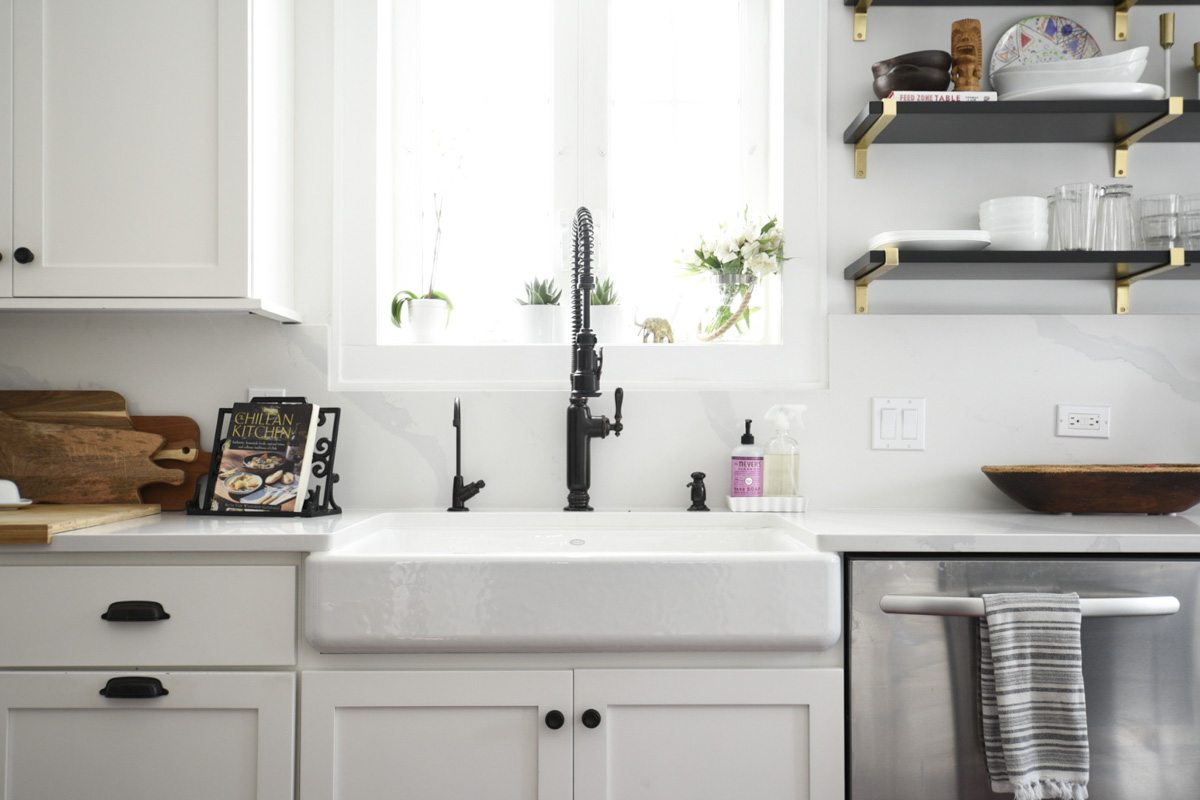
(554, 582)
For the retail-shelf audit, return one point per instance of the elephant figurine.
(658, 327)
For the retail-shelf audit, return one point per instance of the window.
(662, 116)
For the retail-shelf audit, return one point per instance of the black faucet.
(586, 365)
(462, 493)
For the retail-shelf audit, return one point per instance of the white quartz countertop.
(862, 531)
(951, 531)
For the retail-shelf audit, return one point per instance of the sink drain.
(577, 542)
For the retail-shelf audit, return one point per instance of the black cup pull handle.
(135, 611)
(23, 255)
(137, 687)
(590, 718)
(555, 719)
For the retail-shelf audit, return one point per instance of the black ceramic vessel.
(922, 71)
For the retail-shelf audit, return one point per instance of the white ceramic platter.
(1090, 91)
(931, 240)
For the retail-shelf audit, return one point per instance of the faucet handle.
(618, 397)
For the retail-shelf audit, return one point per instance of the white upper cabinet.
(151, 153)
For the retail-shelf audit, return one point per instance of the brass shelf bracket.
(868, 138)
(860, 20)
(1123, 284)
(1121, 149)
(1121, 20)
(891, 260)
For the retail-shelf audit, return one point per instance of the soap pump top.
(747, 437)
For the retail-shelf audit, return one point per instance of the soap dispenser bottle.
(781, 463)
(746, 468)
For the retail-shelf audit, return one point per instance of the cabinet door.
(709, 734)
(434, 735)
(130, 148)
(214, 735)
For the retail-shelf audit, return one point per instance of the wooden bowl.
(1101, 488)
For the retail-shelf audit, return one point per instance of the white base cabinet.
(213, 735)
(700, 734)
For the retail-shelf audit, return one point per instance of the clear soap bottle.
(781, 462)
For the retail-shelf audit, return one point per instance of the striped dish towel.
(1031, 694)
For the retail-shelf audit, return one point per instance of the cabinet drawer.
(217, 616)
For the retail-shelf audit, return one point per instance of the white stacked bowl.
(1016, 223)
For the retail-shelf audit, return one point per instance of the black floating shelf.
(1120, 268)
(1024, 265)
(1025, 121)
(1006, 3)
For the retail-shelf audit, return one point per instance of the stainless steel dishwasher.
(912, 672)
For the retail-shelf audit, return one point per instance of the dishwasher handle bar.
(973, 606)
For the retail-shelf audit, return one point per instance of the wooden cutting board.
(101, 409)
(35, 524)
(79, 464)
(175, 430)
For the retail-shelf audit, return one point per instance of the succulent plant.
(604, 294)
(541, 293)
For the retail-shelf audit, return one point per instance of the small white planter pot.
(428, 318)
(541, 324)
(610, 324)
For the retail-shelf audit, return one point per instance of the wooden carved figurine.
(966, 47)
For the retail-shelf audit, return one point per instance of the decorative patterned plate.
(1036, 40)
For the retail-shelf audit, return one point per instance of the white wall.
(990, 381)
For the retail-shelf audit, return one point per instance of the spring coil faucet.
(586, 365)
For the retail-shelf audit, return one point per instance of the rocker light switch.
(897, 423)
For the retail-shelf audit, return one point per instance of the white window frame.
(363, 240)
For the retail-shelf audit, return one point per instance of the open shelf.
(1120, 123)
(1120, 10)
(1122, 268)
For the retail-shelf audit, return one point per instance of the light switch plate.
(897, 423)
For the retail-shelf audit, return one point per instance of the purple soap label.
(747, 477)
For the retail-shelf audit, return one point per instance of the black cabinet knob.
(555, 720)
(590, 718)
(23, 255)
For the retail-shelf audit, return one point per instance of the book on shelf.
(942, 97)
(265, 461)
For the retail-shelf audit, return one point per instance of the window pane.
(677, 128)
(479, 135)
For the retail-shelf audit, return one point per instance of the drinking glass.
(1189, 222)
(1158, 221)
(1075, 215)
(1114, 218)
(1052, 242)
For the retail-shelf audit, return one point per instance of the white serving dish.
(930, 240)
(1091, 91)
(1096, 62)
(1018, 79)
(553, 582)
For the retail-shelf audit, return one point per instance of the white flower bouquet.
(743, 251)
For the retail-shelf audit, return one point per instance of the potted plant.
(607, 314)
(428, 313)
(738, 257)
(540, 312)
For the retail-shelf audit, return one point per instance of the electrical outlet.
(1088, 421)
(252, 393)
